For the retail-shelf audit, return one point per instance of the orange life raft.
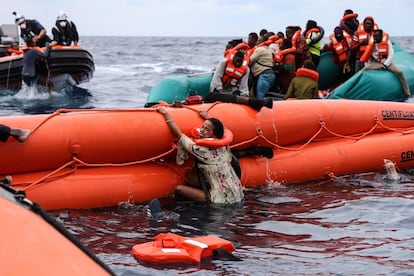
(173, 248)
(98, 158)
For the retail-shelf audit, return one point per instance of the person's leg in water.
(255, 103)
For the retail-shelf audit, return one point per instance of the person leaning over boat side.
(6, 131)
(214, 164)
(379, 56)
(30, 56)
(32, 32)
(305, 84)
(64, 32)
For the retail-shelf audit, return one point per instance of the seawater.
(354, 225)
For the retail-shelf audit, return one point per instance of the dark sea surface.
(352, 225)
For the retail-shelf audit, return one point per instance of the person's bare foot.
(24, 133)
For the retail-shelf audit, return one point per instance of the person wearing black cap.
(32, 32)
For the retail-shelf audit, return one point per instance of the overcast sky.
(229, 18)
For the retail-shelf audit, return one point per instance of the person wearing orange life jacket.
(361, 39)
(379, 56)
(261, 66)
(313, 35)
(230, 83)
(224, 186)
(349, 21)
(305, 84)
(232, 75)
(14, 49)
(341, 48)
(285, 65)
(299, 44)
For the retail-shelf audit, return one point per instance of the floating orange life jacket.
(172, 248)
(305, 72)
(382, 49)
(233, 74)
(212, 142)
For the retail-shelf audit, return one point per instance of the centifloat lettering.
(397, 115)
(407, 156)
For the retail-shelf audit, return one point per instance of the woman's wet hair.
(218, 128)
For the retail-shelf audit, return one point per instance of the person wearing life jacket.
(285, 65)
(32, 32)
(379, 55)
(313, 35)
(349, 21)
(305, 84)
(361, 39)
(14, 49)
(232, 74)
(64, 32)
(299, 44)
(261, 64)
(342, 54)
(223, 186)
(19, 134)
(31, 55)
(230, 83)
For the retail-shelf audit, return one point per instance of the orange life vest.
(340, 48)
(362, 35)
(233, 74)
(14, 51)
(349, 16)
(212, 142)
(280, 54)
(305, 72)
(172, 248)
(382, 49)
(241, 46)
(295, 38)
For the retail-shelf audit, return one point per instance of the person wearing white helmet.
(64, 32)
(32, 32)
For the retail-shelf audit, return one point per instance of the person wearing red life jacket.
(232, 74)
(214, 162)
(305, 84)
(361, 39)
(230, 82)
(299, 44)
(342, 53)
(285, 65)
(379, 55)
(14, 49)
